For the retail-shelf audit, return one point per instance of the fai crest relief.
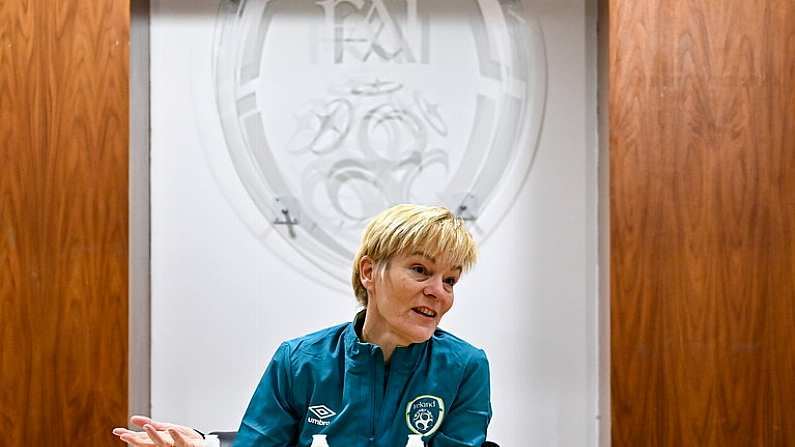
(329, 111)
(424, 414)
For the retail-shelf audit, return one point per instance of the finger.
(140, 421)
(179, 440)
(129, 433)
(136, 440)
(186, 432)
(155, 436)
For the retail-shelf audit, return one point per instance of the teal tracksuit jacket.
(330, 382)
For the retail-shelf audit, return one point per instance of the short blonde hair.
(407, 229)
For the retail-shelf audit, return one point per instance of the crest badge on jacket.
(424, 414)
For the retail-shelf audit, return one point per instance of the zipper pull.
(319, 441)
(415, 441)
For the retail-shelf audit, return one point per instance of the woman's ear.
(367, 272)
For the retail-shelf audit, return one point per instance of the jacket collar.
(404, 358)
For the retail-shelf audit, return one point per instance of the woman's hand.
(160, 434)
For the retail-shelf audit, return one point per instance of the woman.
(389, 373)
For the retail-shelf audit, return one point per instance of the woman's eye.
(450, 281)
(419, 269)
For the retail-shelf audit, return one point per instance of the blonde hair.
(408, 229)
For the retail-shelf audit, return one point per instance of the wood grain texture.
(702, 147)
(63, 221)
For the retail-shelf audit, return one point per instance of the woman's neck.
(377, 332)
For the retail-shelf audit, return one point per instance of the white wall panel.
(226, 290)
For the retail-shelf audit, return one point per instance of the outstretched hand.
(159, 434)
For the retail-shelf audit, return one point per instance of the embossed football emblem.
(332, 110)
(424, 414)
(423, 420)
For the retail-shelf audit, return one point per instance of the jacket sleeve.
(468, 418)
(270, 420)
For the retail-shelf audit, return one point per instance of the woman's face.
(407, 302)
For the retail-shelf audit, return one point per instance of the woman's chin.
(415, 330)
(421, 334)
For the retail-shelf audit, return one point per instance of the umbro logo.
(322, 413)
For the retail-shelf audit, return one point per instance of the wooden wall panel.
(702, 184)
(63, 221)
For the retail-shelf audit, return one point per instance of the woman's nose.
(435, 287)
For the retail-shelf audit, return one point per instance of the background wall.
(701, 99)
(63, 221)
(702, 223)
(221, 301)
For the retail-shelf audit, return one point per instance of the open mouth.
(424, 311)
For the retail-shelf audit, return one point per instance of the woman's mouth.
(425, 311)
